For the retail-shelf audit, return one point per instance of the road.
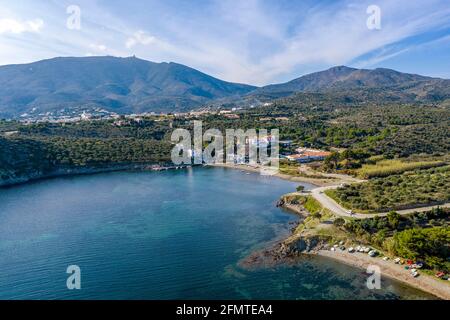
(327, 202)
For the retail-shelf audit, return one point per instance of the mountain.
(122, 85)
(132, 85)
(381, 83)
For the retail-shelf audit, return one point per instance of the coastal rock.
(13, 179)
(304, 244)
(286, 252)
(281, 203)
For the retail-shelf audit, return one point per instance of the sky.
(257, 42)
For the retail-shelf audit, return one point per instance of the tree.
(339, 222)
(331, 161)
(393, 219)
(300, 188)
(429, 244)
(316, 215)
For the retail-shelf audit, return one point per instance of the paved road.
(327, 202)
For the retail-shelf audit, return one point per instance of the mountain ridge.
(345, 77)
(133, 85)
(118, 84)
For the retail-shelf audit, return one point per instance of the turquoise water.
(166, 235)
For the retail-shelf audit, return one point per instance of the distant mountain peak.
(340, 68)
(122, 85)
(403, 86)
(133, 85)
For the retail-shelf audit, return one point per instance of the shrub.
(430, 245)
(386, 168)
(393, 219)
(339, 222)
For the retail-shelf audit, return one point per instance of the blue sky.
(252, 41)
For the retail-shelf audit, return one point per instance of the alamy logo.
(74, 20)
(374, 280)
(74, 280)
(374, 20)
(258, 148)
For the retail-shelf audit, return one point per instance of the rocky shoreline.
(284, 252)
(75, 171)
(287, 251)
(306, 243)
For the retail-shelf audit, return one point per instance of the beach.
(427, 283)
(437, 287)
(328, 180)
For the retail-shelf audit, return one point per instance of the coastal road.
(327, 202)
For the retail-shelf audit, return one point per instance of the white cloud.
(388, 53)
(260, 42)
(17, 27)
(98, 47)
(140, 37)
(254, 41)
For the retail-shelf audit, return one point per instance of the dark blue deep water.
(169, 235)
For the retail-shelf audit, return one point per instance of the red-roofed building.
(308, 155)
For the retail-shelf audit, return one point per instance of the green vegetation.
(421, 236)
(317, 214)
(386, 168)
(366, 132)
(292, 169)
(339, 222)
(39, 149)
(365, 129)
(312, 205)
(430, 245)
(395, 192)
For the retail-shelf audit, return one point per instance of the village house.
(232, 116)
(304, 155)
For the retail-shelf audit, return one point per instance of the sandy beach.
(437, 287)
(314, 181)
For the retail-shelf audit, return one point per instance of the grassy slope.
(395, 192)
